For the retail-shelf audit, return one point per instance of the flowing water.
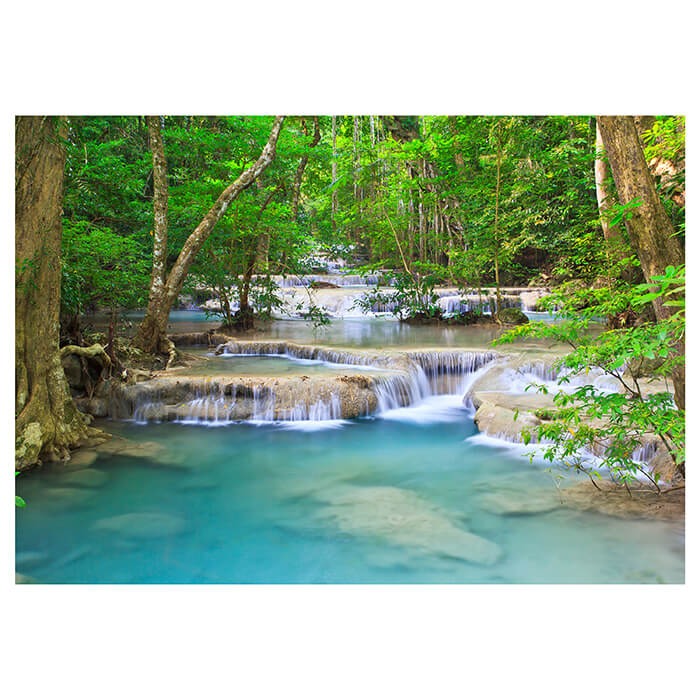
(410, 495)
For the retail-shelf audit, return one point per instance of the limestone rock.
(514, 503)
(134, 376)
(520, 493)
(80, 459)
(512, 315)
(97, 407)
(501, 422)
(404, 519)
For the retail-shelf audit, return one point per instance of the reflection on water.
(406, 499)
(365, 333)
(212, 365)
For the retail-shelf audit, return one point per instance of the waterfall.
(387, 381)
(337, 279)
(452, 303)
(401, 390)
(433, 373)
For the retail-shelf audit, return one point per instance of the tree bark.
(152, 333)
(615, 244)
(48, 424)
(612, 234)
(334, 177)
(496, 241)
(160, 217)
(650, 230)
(300, 169)
(244, 309)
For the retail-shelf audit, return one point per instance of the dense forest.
(474, 200)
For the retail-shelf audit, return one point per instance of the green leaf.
(19, 502)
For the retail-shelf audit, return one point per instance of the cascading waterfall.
(339, 280)
(432, 373)
(453, 304)
(401, 380)
(343, 302)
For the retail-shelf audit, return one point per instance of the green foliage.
(19, 501)
(413, 294)
(613, 425)
(408, 192)
(101, 269)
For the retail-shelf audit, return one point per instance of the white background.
(331, 642)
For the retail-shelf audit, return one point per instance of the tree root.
(95, 352)
(167, 347)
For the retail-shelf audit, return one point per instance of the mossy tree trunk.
(650, 230)
(48, 424)
(151, 335)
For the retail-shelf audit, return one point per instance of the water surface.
(273, 504)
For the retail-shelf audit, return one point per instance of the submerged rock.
(152, 451)
(521, 493)
(514, 503)
(67, 497)
(612, 499)
(84, 477)
(80, 459)
(404, 519)
(143, 525)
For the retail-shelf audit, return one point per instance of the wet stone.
(85, 477)
(82, 458)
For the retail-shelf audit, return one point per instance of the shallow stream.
(411, 496)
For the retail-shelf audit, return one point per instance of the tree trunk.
(496, 241)
(157, 312)
(612, 234)
(151, 335)
(48, 424)
(334, 177)
(615, 245)
(650, 231)
(245, 313)
(302, 166)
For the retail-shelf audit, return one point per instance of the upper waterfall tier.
(344, 301)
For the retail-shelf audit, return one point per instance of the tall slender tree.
(296, 192)
(151, 335)
(334, 176)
